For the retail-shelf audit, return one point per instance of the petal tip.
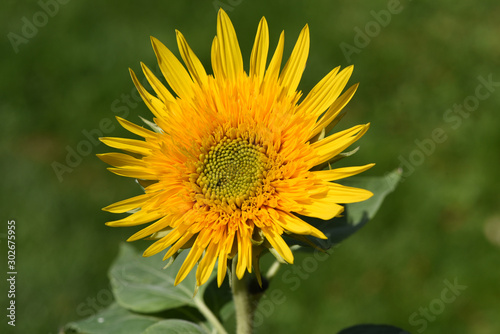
(221, 12)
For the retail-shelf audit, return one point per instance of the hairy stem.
(242, 303)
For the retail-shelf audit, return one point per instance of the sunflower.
(234, 159)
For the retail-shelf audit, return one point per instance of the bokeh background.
(61, 84)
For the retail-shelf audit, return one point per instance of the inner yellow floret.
(231, 171)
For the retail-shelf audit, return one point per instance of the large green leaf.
(174, 326)
(356, 215)
(142, 285)
(380, 186)
(112, 320)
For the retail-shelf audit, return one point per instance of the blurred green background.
(443, 222)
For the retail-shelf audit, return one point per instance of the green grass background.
(442, 223)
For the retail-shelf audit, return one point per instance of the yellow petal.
(166, 241)
(324, 208)
(160, 90)
(192, 62)
(341, 173)
(222, 263)
(278, 244)
(216, 59)
(330, 147)
(294, 224)
(294, 67)
(159, 234)
(273, 70)
(154, 104)
(258, 58)
(344, 194)
(173, 71)
(155, 227)
(229, 49)
(325, 92)
(129, 145)
(136, 129)
(181, 243)
(120, 159)
(338, 135)
(129, 204)
(321, 95)
(135, 172)
(207, 264)
(189, 262)
(244, 254)
(137, 218)
(326, 121)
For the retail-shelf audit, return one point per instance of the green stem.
(242, 303)
(273, 270)
(208, 314)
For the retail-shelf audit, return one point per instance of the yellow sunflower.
(234, 157)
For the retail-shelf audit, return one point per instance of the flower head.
(235, 157)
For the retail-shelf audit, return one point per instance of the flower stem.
(242, 303)
(212, 319)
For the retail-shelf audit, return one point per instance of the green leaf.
(141, 284)
(355, 215)
(379, 186)
(174, 326)
(112, 320)
(373, 329)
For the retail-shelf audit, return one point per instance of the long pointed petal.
(135, 172)
(232, 61)
(279, 244)
(324, 94)
(344, 194)
(177, 76)
(222, 261)
(192, 62)
(136, 129)
(154, 104)
(128, 204)
(258, 57)
(296, 225)
(129, 145)
(161, 91)
(330, 147)
(119, 159)
(294, 67)
(137, 218)
(325, 208)
(326, 121)
(166, 241)
(207, 264)
(341, 173)
(216, 59)
(273, 70)
(189, 262)
(155, 227)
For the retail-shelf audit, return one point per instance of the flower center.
(231, 171)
